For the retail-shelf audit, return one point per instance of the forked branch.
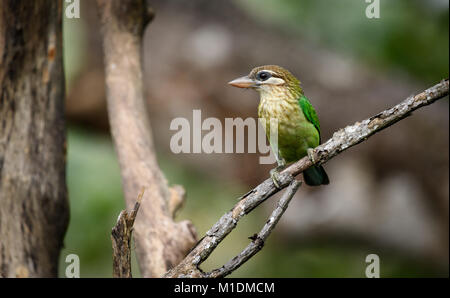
(341, 140)
(258, 239)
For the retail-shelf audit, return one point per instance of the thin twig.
(258, 240)
(133, 212)
(341, 140)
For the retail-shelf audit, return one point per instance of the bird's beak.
(243, 82)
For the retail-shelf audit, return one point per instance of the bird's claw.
(275, 175)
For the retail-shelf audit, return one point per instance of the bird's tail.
(315, 175)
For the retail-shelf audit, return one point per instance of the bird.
(281, 98)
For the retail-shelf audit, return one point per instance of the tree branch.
(341, 140)
(258, 240)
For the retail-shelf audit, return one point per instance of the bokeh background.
(387, 196)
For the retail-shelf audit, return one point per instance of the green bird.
(282, 98)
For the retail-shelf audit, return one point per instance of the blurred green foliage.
(410, 34)
(74, 45)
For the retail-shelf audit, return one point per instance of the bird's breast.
(287, 112)
(295, 134)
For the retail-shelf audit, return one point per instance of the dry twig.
(259, 239)
(121, 240)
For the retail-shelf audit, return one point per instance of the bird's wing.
(309, 112)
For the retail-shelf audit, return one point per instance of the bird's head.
(269, 79)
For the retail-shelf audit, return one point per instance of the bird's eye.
(263, 75)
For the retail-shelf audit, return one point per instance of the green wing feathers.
(315, 175)
(309, 112)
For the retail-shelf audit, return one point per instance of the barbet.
(282, 99)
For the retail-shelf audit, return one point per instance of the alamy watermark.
(373, 9)
(220, 139)
(72, 10)
(373, 269)
(73, 267)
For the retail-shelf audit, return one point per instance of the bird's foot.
(275, 175)
(310, 152)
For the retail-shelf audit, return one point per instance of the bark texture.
(161, 243)
(33, 195)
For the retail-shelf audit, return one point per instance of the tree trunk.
(33, 195)
(161, 242)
